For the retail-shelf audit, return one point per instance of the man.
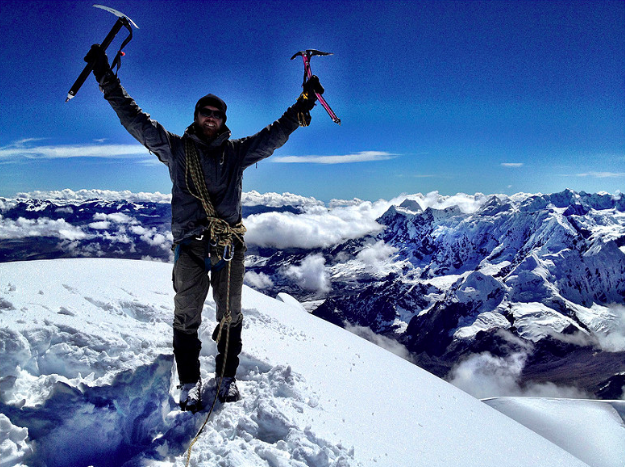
(206, 170)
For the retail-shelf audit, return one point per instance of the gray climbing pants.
(191, 284)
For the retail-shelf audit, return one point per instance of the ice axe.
(306, 55)
(123, 21)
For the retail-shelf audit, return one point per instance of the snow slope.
(572, 424)
(88, 379)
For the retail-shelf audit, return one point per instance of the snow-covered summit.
(88, 379)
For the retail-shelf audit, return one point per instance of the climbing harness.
(220, 233)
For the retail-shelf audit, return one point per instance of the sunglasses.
(218, 114)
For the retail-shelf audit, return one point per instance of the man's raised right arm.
(148, 132)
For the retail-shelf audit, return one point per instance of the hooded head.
(213, 101)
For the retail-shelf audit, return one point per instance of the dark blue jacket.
(223, 160)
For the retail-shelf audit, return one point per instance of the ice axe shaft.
(122, 21)
(306, 55)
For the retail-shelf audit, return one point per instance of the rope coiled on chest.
(219, 231)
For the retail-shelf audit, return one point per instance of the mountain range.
(501, 295)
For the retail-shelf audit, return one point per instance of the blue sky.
(451, 96)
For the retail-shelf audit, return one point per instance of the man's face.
(209, 120)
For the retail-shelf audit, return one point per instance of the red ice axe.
(306, 55)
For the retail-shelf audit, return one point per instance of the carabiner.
(228, 252)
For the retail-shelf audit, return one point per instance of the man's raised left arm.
(265, 142)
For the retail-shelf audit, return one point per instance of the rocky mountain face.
(540, 278)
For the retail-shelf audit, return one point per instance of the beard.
(210, 132)
(206, 132)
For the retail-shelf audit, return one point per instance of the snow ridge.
(115, 377)
(88, 379)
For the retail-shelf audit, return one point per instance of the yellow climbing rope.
(222, 233)
(224, 321)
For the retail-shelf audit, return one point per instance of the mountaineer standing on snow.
(206, 169)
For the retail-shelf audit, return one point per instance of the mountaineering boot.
(191, 396)
(228, 392)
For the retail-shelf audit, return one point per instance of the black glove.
(313, 86)
(97, 56)
(308, 97)
(306, 100)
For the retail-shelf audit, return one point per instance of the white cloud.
(116, 217)
(613, 338)
(106, 195)
(139, 230)
(277, 200)
(100, 225)
(485, 375)
(377, 252)
(512, 164)
(21, 150)
(258, 280)
(602, 174)
(41, 227)
(466, 203)
(318, 227)
(119, 237)
(311, 274)
(377, 256)
(158, 239)
(364, 156)
(152, 237)
(339, 203)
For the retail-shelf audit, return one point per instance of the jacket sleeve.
(262, 145)
(148, 132)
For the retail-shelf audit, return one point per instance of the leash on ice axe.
(123, 21)
(306, 56)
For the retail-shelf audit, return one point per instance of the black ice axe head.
(123, 21)
(306, 55)
(309, 53)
